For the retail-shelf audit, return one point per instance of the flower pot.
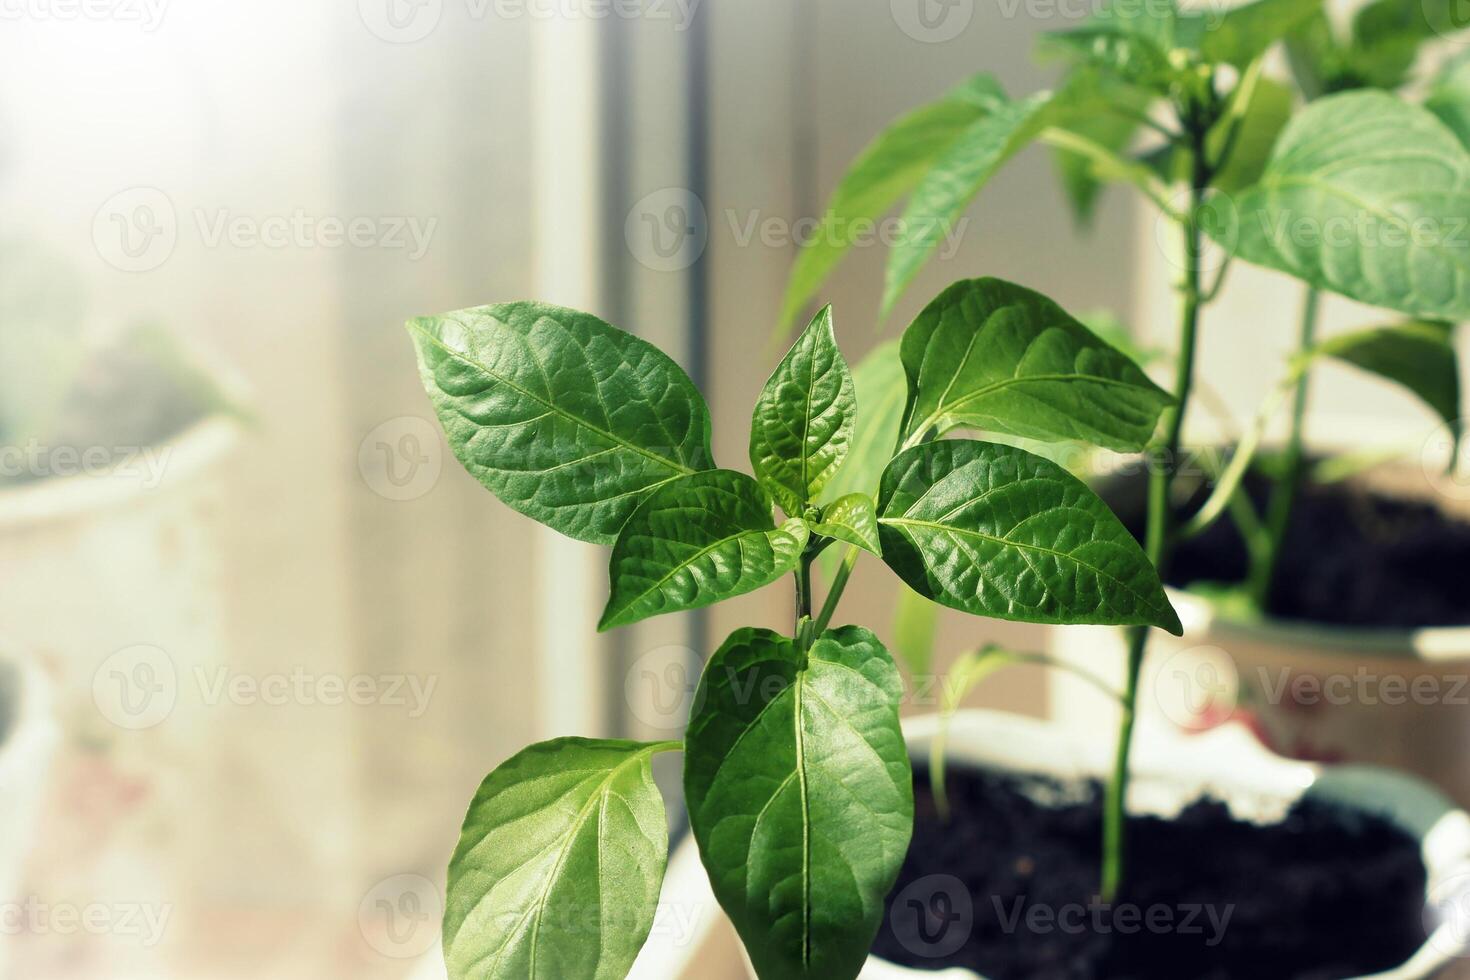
(28, 737)
(1172, 769)
(1394, 697)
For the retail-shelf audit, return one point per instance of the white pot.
(1170, 770)
(26, 749)
(1395, 698)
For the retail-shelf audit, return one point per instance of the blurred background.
(260, 635)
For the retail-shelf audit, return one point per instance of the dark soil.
(1351, 558)
(1325, 894)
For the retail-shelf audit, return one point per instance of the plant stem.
(834, 594)
(1284, 493)
(803, 590)
(1158, 542)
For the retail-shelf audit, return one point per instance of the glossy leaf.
(559, 865)
(1241, 34)
(853, 519)
(989, 354)
(1364, 195)
(563, 417)
(697, 541)
(884, 172)
(804, 418)
(882, 390)
(995, 531)
(934, 210)
(1419, 356)
(800, 796)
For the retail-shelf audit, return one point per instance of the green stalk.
(1159, 538)
(834, 594)
(803, 590)
(1284, 493)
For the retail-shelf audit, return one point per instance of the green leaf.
(1130, 41)
(1387, 36)
(933, 212)
(989, 354)
(885, 171)
(853, 519)
(1449, 99)
(559, 864)
(804, 418)
(882, 390)
(1098, 108)
(697, 541)
(800, 796)
(1419, 356)
(1241, 34)
(1364, 195)
(563, 417)
(1263, 119)
(995, 531)
(915, 621)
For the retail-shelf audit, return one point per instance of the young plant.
(1360, 193)
(796, 775)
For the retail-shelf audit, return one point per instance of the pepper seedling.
(796, 775)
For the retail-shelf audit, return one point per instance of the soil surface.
(1351, 558)
(1007, 888)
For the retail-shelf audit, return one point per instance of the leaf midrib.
(552, 406)
(941, 410)
(1040, 549)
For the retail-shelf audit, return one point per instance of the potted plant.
(796, 771)
(1319, 595)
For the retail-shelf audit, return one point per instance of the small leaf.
(565, 418)
(800, 796)
(992, 355)
(1419, 356)
(1364, 195)
(695, 542)
(559, 865)
(1105, 111)
(915, 620)
(1265, 116)
(804, 418)
(933, 212)
(995, 531)
(886, 170)
(1241, 34)
(1128, 40)
(853, 519)
(882, 391)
